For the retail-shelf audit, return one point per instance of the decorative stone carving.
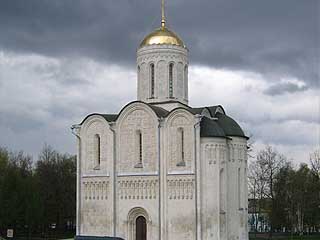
(137, 188)
(96, 189)
(180, 187)
(215, 153)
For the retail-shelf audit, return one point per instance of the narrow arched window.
(239, 188)
(171, 80)
(139, 149)
(181, 153)
(185, 81)
(97, 151)
(139, 81)
(222, 190)
(152, 79)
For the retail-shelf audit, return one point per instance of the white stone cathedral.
(160, 169)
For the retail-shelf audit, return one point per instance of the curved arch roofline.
(160, 112)
(105, 116)
(229, 125)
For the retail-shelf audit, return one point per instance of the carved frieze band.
(95, 190)
(138, 189)
(175, 57)
(215, 153)
(238, 152)
(180, 188)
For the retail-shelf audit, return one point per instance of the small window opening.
(139, 141)
(239, 189)
(97, 152)
(152, 79)
(186, 82)
(171, 80)
(180, 139)
(222, 191)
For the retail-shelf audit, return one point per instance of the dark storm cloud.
(278, 89)
(276, 38)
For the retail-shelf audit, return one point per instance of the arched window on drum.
(152, 76)
(185, 81)
(171, 80)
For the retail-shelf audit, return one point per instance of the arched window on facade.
(185, 81)
(180, 141)
(96, 151)
(139, 149)
(239, 188)
(222, 191)
(171, 80)
(152, 80)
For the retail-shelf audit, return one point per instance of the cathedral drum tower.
(161, 169)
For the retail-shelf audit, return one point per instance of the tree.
(56, 178)
(17, 173)
(33, 197)
(315, 162)
(257, 187)
(282, 210)
(270, 162)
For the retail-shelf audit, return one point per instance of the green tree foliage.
(293, 193)
(33, 197)
(56, 178)
(297, 198)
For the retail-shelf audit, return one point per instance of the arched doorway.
(139, 222)
(141, 228)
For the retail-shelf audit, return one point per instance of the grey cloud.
(278, 89)
(19, 122)
(276, 38)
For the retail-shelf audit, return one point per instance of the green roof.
(210, 128)
(110, 117)
(219, 125)
(159, 111)
(229, 126)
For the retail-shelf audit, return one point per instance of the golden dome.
(162, 35)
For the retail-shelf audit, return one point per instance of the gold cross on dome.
(163, 17)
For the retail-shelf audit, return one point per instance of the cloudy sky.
(61, 60)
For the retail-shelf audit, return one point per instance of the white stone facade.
(161, 56)
(182, 170)
(204, 198)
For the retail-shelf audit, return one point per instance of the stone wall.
(237, 189)
(134, 119)
(205, 196)
(161, 56)
(214, 198)
(95, 198)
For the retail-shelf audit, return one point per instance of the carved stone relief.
(137, 188)
(215, 153)
(180, 189)
(95, 189)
